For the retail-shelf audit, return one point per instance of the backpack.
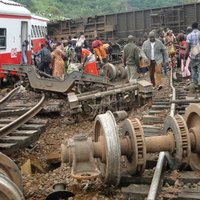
(196, 49)
(46, 56)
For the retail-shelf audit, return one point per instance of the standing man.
(156, 52)
(192, 40)
(24, 59)
(45, 59)
(131, 59)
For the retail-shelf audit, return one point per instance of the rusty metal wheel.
(186, 145)
(180, 157)
(126, 72)
(10, 179)
(192, 118)
(127, 130)
(9, 190)
(111, 71)
(141, 146)
(121, 72)
(120, 115)
(106, 130)
(10, 169)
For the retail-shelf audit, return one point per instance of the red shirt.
(97, 43)
(85, 53)
(181, 50)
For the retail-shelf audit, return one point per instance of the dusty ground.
(39, 184)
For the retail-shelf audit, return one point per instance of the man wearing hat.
(131, 59)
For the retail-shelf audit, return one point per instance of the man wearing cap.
(131, 59)
(156, 52)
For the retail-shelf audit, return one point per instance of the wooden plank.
(27, 126)
(180, 194)
(192, 194)
(10, 139)
(22, 143)
(158, 107)
(23, 132)
(38, 121)
(135, 192)
(152, 112)
(31, 126)
(152, 128)
(2, 125)
(33, 121)
(7, 145)
(149, 119)
(8, 113)
(185, 177)
(7, 120)
(127, 180)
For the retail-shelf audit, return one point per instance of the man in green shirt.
(131, 59)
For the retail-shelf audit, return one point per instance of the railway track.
(160, 183)
(18, 128)
(127, 149)
(122, 135)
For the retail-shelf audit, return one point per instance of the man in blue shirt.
(192, 40)
(45, 55)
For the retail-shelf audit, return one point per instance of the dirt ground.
(39, 184)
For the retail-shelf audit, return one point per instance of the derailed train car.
(116, 27)
(18, 25)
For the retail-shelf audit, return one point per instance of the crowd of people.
(57, 58)
(159, 51)
(163, 51)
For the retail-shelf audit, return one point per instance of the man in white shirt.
(156, 53)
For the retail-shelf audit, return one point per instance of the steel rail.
(156, 177)
(105, 93)
(23, 118)
(162, 158)
(9, 95)
(185, 101)
(173, 105)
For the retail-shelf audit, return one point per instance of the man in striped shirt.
(192, 40)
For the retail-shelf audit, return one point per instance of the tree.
(77, 8)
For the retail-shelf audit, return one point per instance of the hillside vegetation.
(59, 9)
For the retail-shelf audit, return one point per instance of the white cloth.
(80, 41)
(152, 51)
(90, 59)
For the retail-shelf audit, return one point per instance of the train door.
(24, 42)
(24, 31)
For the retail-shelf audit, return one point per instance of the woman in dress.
(170, 42)
(182, 46)
(88, 62)
(57, 62)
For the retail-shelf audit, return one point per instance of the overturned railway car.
(116, 27)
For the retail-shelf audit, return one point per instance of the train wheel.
(106, 132)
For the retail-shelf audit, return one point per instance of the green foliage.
(59, 9)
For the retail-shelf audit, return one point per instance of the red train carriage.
(16, 26)
(38, 31)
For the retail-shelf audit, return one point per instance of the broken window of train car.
(36, 31)
(39, 31)
(33, 30)
(2, 38)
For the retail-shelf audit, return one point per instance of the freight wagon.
(116, 27)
